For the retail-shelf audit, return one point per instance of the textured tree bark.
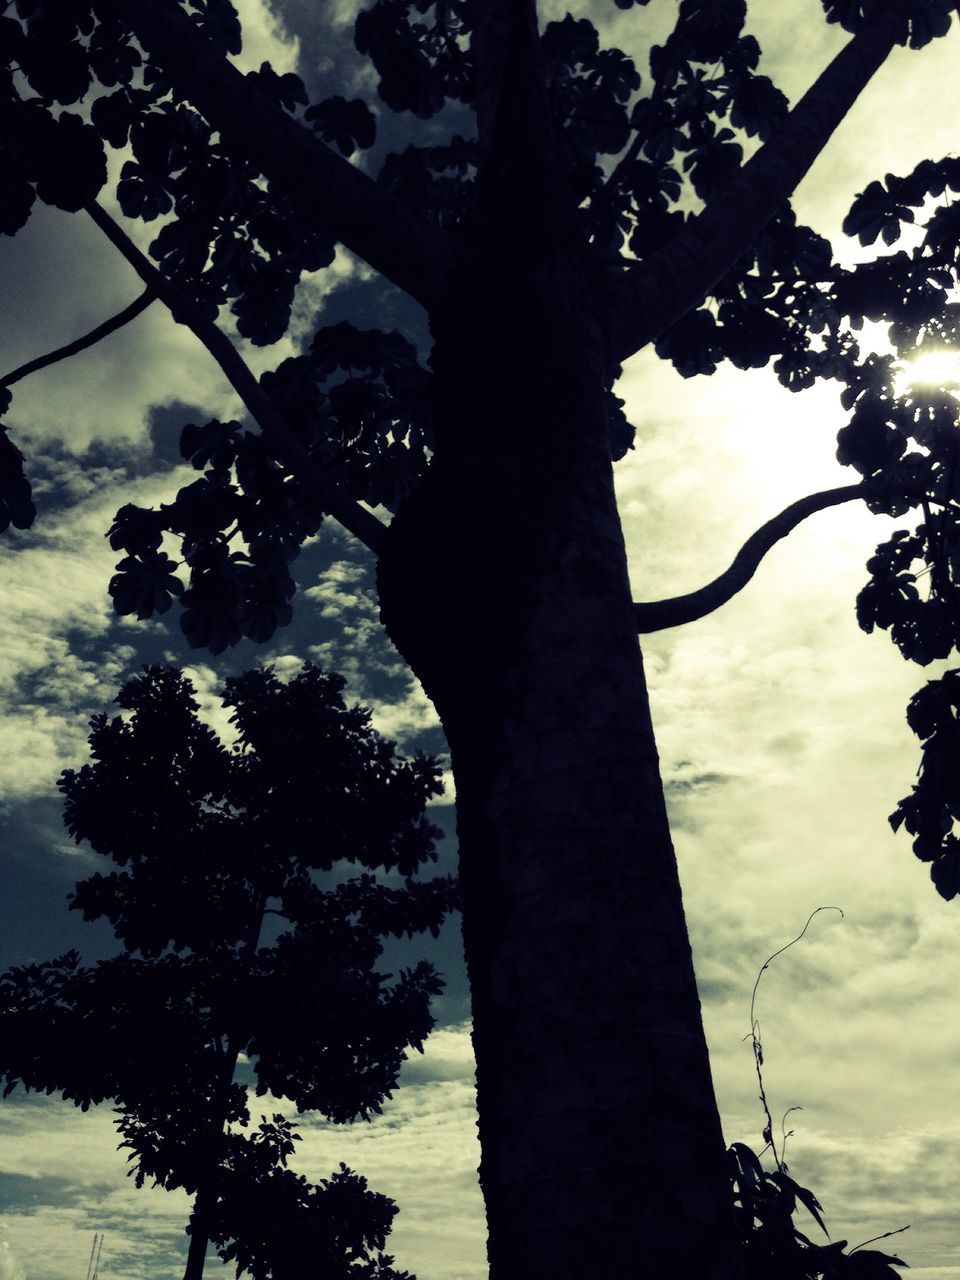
(504, 584)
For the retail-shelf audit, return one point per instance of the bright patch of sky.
(780, 726)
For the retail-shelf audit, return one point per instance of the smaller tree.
(214, 845)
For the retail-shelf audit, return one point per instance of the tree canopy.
(556, 205)
(215, 845)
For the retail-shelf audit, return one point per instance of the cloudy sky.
(780, 723)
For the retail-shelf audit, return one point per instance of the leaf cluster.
(923, 20)
(227, 236)
(359, 402)
(931, 811)
(773, 1246)
(209, 843)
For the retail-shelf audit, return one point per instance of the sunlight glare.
(932, 368)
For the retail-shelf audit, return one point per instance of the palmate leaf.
(692, 344)
(113, 114)
(17, 198)
(877, 211)
(79, 169)
(145, 584)
(709, 27)
(349, 126)
(220, 23)
(213, 445)
(286, 89)
(925, 21)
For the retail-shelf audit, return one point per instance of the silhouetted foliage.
(766, 1200)
(217, 849)
(600, 205)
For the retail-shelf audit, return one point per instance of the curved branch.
(80, 344)
(656, 615)
(654, 294)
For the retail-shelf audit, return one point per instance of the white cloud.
(61, 659)
(265, 39)
(422, 1152)
(10, 1269)
(782, 734)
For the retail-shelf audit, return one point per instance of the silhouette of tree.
(582, 213)
(214, 845)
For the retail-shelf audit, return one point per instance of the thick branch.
(80, 344)
(656, 293)
(318, 183)
(656, 615)
(360, 522)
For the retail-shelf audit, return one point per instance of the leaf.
(17, 197)
(113, 114)
(877, 211)
(140, 195)
(286, 89)
(349, 126)
(81, 164)
(929, 20)
(808, 1200)
(137, 529)
(16, 499)
(214, 444)
(945, 873)
(144, 584)
(691, 344)
(57, 68)
(220, 23)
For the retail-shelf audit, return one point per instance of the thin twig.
(362, 523)
(873, 1239)
(80, 344)
(785, 1135)
(755, 1033)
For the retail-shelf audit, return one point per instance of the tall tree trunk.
(504, 584)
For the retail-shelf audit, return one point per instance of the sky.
(780, 725)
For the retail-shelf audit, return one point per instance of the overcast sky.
(780, 724)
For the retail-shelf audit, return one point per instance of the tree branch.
(318, 182)
(80, 344)
(360, 522)
(654, 294)
(656, 615)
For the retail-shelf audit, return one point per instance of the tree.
(214, 842)
(576, 220)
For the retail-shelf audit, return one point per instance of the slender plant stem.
(755, 1033)
(123, 317)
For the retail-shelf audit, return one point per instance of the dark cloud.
(23, 1194)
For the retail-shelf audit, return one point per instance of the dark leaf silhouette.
(211, 839)
(552, 206)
